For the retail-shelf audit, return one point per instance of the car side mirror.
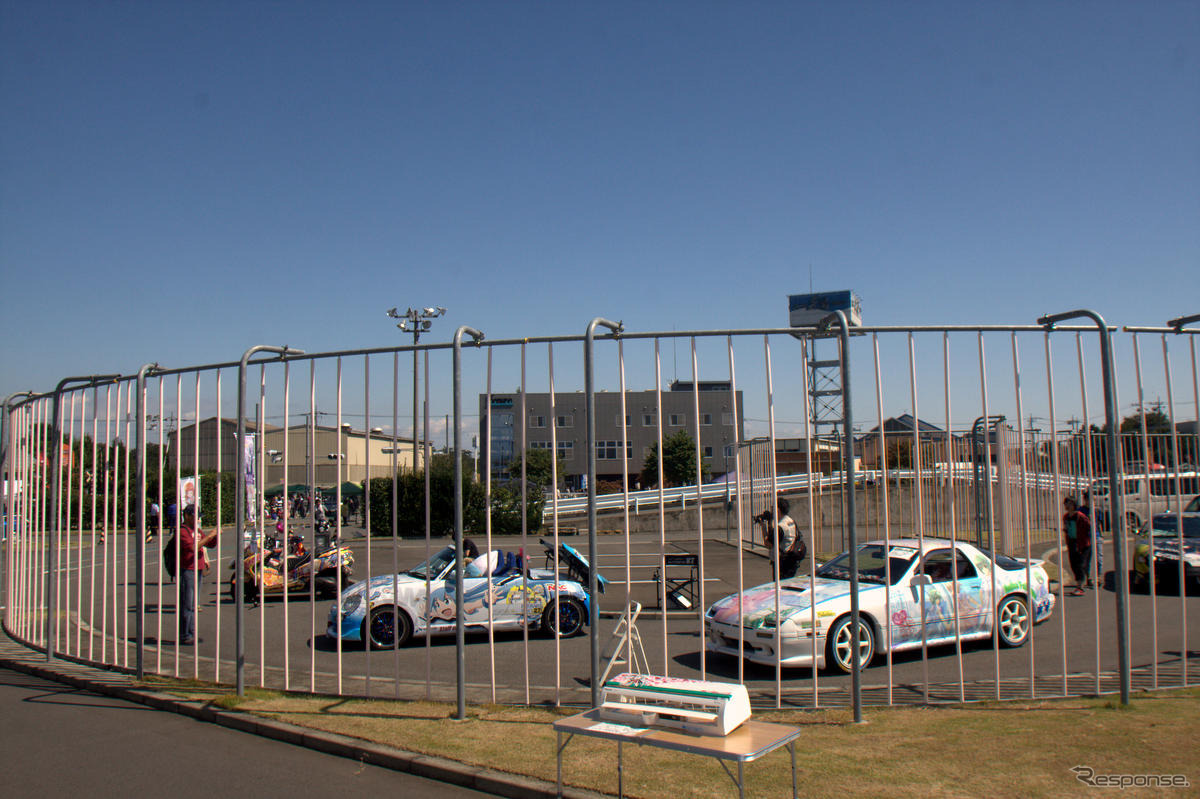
(920, 579)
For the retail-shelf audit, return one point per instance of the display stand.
(748, 742)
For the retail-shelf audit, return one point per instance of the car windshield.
(431, 568)
(1167, 524)
(871, 564)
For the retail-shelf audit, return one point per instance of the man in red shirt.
(192, 563)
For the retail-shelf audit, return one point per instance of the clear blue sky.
(179, 181)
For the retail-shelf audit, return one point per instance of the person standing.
(152, 522)
(192, 564)
(1077, 531)
(782, 539)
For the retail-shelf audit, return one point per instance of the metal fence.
(971, 434)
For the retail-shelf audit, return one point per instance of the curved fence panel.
(655, 466)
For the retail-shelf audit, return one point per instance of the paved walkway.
(20, 658)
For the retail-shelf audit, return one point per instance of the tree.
(538, 468)
(679, 461)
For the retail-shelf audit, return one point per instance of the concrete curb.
(479, 778)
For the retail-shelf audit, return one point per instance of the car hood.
(383, 582)
(796, 595)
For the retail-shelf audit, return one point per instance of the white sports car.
(390, 609)
(917, 604)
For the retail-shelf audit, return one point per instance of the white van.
(1144, 495)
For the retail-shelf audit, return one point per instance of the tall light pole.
(416, 321)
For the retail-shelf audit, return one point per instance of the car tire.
(838, 645)
(386, 627)
(564, 616)
(1013, 620)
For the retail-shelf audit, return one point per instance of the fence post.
(1116, 511)
(589, 391)
(460, 655)
(239, 504)
(140, 567)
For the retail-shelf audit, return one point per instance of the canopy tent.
(294, 488)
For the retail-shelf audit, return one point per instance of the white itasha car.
(814, 615)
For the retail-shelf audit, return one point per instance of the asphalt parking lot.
(286, 646)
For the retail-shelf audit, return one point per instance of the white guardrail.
(682, 495)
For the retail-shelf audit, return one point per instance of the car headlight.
(351, 603)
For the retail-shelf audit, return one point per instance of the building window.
(729, 450)
(648, 420)
(539, 445)
(628, 422)
(610, 450)
(706, 419)
(708, 452)
(565, 420)
(566, 450)
(537, 421)
(677, 420)
(727, 419)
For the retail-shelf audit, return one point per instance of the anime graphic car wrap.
(394, 608)
(932, 597)
(1170, 549)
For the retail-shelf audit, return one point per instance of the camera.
(765, 516)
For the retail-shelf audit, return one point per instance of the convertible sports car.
(518, 597)
(813, 625)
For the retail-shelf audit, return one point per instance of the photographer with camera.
(783, 540)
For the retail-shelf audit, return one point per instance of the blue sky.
(180, 181)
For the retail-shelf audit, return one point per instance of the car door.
(935, 592)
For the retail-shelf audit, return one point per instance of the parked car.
(1161, 534)
(906, 597)
(390, 609)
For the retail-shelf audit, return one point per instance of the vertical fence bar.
(950, 514)
(1032, 607)
(459, 622)
(487, 492)
(125, 524)
(593, 590)
(1111, 465)
(987, 452)
(285, 565)
(523, 424)
(196, 534)
(919, 513)
(310, 473)
(624, 419)
(699, 506)
(662, 508)
(162, 439)
(887, 519)
(773, 504)
(177, 580)
(554, 501)
(337, 521)
(427, 454)
(220, 527)
(1150, 576)
(366, 498)
(395, 474)
(1185, 653)
(1056, 468)
(741, 555)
